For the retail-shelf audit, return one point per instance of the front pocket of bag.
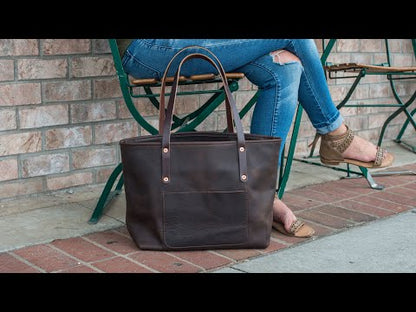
(205, 219)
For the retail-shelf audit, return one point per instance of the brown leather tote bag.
(200, 190)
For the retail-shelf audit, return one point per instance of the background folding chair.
(357, 71)
(392, 73)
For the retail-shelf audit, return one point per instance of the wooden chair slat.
(369, 68)
(202, 77)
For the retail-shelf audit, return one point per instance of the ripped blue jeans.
(281, 85)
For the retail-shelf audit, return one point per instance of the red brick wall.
(62, 113)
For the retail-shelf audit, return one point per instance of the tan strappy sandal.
(332, 147)
(297, 229)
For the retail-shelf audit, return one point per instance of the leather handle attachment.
(166, 121)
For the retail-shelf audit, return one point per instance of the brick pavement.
(329, 207)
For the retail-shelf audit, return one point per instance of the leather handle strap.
(166, 133)
(163, 86)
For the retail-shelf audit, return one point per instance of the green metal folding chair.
(132, 88)
(392, 73)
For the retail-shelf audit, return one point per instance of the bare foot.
(361, 149)
(285, 221)
(283, 214)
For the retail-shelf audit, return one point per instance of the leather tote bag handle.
(163, 85)
(166, 133)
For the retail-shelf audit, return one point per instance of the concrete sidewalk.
(381, 246)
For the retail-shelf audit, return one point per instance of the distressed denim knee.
(278, 84)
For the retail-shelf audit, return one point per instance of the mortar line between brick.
(124, 256)
(184, 260)
(349, 209)
(116, 231)
(354, 198)
(411, 196)
(375, 206)
(280, 241)
(293, 193)
(21, 259)
(224, 256)
(79, 261)
(389, 201)
(324, 213)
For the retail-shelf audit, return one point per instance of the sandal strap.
(342, 142)
(315, 140)
(296, 226)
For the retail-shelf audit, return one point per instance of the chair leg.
(283, 178)
(107, 195)
(402, 130)
(370, 179)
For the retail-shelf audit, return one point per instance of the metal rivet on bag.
(243, 177)
(165, 150)
(165, 179)
(242, 149)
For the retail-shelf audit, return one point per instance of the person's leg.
(314, 95)
(277, 75)
(149, 57)
(315, 98)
